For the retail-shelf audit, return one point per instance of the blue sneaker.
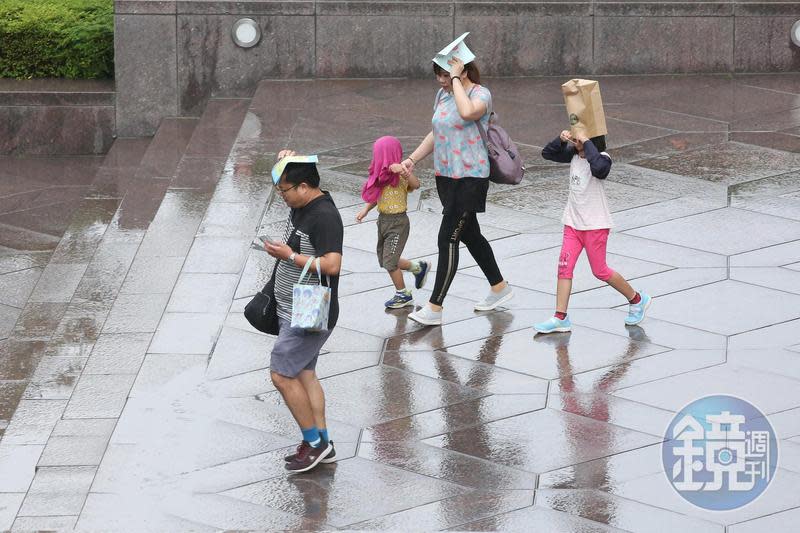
(553, 325)
(400, 299)
(636, 311)
(422, 276)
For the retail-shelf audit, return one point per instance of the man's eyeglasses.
(284, 191)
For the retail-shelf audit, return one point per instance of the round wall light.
(796, 33)
(246, 33)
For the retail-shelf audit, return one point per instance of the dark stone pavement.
(134, 395)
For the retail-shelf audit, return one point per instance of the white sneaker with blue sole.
(553, 325)
(636, 312)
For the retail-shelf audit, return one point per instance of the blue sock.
(311, 436)
(323, 434)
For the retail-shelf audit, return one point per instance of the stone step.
(56, 117)
(134, 227)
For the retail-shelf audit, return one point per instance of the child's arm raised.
(599, 163)
(558, 149)
(361, 215)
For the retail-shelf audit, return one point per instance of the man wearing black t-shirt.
(314, 229)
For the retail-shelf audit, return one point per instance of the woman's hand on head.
(456, 67)
(286, 153)
(566, 136)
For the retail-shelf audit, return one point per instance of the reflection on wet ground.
(134, 395)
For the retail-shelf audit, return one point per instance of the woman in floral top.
(461, 163)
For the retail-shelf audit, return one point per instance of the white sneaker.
(495, 299)
(427, 316)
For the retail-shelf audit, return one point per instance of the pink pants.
(594, 240)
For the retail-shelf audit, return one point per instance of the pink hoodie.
(385, 152)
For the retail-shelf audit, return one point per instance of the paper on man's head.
(457, 48)
(280, 166)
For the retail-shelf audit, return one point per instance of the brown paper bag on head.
(584, 107)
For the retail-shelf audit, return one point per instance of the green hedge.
(57, 39)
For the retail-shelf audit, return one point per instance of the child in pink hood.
(387, 188)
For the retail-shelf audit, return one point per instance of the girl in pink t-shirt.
(587, 222)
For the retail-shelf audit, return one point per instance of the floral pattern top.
(458, 150)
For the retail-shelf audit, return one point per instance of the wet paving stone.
(33, 421)
(39, 320)
(777, 523)
(44, 523)
(99, 396)
(776, 392)
(9, 505)
(557, 355)
(136, 313)
(181, 333)
(55, 378)
(158, 370)
(482, 375)
(118, 353)
(18, 463)
(58, 491)
(723, 312)
(332, 495)
(554, 445)
(209, 293)
(18, 359)
(720, 233)
(655, 490)
(217, 255)
(536, 519)
(452, 511)
(17, 286)
(152, 275)
(8, 318)
(618, 512)
(452, 418)
(728, 162)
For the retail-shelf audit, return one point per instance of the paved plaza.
(135, 396)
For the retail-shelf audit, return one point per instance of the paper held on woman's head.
(457, 48)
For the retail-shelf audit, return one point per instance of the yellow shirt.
(394, 200)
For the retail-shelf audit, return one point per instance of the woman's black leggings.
(455, 228)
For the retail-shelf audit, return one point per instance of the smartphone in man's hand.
(261, 242)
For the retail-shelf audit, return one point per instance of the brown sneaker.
(330, 458)
(307, 457)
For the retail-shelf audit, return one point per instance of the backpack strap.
(481, 129)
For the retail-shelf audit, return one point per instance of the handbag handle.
(306, 270)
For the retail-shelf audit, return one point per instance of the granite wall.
(56, 117)
(172, 55)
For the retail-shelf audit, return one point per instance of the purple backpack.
(505, 163)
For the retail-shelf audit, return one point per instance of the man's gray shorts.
(296, 350)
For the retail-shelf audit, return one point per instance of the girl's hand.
(566, 136)
(397, 168)
(456, 67)
(361, 215)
